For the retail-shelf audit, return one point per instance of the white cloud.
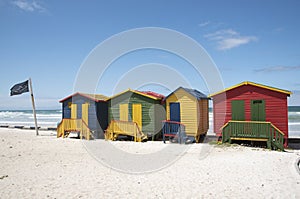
(234, 42)
(278, 69)
(228, 38)
(29, 6)
(204, 24)
(220, 34)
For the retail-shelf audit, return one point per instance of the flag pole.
(33, 107)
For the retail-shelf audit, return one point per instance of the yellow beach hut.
(189, 108)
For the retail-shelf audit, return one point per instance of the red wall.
(275, 104)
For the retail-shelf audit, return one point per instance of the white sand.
(47, 167)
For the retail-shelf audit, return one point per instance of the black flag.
(19, 88)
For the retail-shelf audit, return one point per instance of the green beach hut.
(142, 108)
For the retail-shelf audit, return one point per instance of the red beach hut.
(251, 111)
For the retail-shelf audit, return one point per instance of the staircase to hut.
(253, 131)
(117, 127)
(66, 126)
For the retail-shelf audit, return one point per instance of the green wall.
(152, 111)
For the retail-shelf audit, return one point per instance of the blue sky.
(49, 40)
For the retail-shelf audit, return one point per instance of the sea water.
(45, 118)
(294, 121)
(50, 118)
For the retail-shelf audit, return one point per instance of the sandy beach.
(47, 167)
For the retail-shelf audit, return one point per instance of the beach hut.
(253, 112)
(84, 113)
(137, 112)
(189, 108)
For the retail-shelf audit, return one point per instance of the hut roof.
(94, 97)
(288, 93)
(195, 93)
(153, 94)
(148, 94)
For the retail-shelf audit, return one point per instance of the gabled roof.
(253, 84)
(153, 94)
(195, 93)
(94, 97)
(148, 94)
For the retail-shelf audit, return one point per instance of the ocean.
(45, 118)
(294, 121)
(50, 118)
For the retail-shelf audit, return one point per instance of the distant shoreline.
(28, 127)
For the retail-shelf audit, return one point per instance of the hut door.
(175, 111)
(73, 111)
(67, 110)
(137, 114)
(85, 113)
(123, 112)
(238, 110)
(258, 112)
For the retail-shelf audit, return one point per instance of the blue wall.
(98, 113)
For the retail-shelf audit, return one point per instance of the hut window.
(257, 101)
(69, 104)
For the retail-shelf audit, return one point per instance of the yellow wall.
(188, 110)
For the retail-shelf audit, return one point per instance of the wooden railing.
(173, 129)
(77, 125)
(253, 131)
(117, 127)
